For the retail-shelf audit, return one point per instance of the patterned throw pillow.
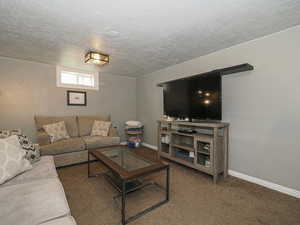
(4, 133)
(56, 131)
(12, 160)
(15, 132)
(100, 128)
(32, 150)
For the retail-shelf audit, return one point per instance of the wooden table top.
(139, 153)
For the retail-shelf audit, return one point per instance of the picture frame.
(76, 98)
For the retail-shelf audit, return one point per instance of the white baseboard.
(267, 184)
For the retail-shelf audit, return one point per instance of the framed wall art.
(76, 98)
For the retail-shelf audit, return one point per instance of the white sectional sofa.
(35, 197)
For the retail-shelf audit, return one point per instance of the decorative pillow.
(15, 132)
(32, 150)
(12, 160)
(4, 133)
(100, 128)
(56, 131)
(13, 140)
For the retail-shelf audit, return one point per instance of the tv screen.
(195, 98)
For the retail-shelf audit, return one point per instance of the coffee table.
(126, 168)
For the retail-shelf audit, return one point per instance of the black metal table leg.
(88, 164)
(123, 202)
(145, 211)
(168, 184)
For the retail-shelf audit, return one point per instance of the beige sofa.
(73, 150)
(35, 197)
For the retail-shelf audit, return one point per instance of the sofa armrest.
(43, 138)
(113, 132)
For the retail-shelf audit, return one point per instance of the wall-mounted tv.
(194, 98)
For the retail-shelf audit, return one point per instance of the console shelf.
(203, 152)
(206, 152)
(185, 147)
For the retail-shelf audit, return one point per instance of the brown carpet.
(194, 200)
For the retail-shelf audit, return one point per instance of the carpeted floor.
(194, 200)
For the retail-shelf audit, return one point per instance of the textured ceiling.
(141, 36)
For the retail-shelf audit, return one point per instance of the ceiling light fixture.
(96, 58)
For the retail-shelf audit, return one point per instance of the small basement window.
(72, 78)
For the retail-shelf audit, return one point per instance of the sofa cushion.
(85, 123)
(42, 138)
(113, 132)
(63, 146)
(33, 202)
(66, 220)
(93, 142)
(44, 168)
(70, 121)
(71, 158)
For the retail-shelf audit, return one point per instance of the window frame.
(60, 69)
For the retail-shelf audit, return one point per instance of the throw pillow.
(56, 131)
(13, 140)
(32, 150)
(15, 132)
(4, 133)
(12, 161)
(100, 128)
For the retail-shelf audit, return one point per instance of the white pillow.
(12, 159)
(100, 128)
(56, 131)
(13, 140)
(133, 123)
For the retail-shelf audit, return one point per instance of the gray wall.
(262, 106)
(29, 88)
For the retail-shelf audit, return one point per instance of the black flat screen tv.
(195, 98)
